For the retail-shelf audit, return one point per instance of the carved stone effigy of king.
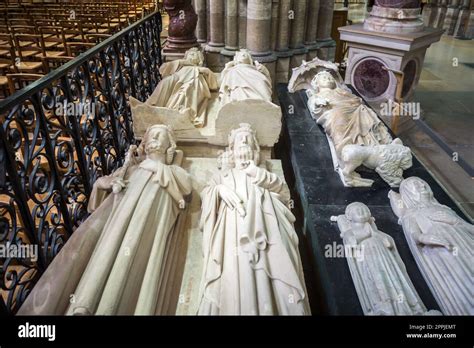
(243, 79)
(122, 259)
(251, 260)
(186, 85)
(355, 134)
(441, 242)
(202, 106)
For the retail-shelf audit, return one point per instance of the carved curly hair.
(170, 152)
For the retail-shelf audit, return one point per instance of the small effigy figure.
(441, 242)
(379, 274)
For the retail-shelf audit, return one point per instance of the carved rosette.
(182, 25)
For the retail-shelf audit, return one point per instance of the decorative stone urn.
(395, 16)
(182, 25)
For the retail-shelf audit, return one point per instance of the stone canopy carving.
(302, 76)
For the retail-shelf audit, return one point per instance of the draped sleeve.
(273, 183)
(210, 208)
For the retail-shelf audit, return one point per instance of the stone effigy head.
(357, 212)
(323, 79)
(416, 192)
(194, 56)
(243, 144)
(159, 139)
(243, 57)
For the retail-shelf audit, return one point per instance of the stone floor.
(446, 96)
(446, 93)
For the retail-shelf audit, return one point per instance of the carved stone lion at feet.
(389, 161)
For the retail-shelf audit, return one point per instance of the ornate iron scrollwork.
(57, 137)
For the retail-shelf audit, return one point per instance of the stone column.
(275, 24)
(201, 28)
(282, 50)
(182, 25)
(429, 13)
(463, 20)
(231, 28)
(325, 43)
(259, 15)
(297, 37)
(216, 37)
(242, 23)
(452, 14)
(441, 14)
(470, 26)
(312, 29)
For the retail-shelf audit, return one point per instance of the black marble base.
(320, 194)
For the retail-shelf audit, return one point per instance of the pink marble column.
(182, 25)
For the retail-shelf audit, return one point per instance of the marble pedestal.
(371, 56)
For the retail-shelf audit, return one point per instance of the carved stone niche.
(182, 25)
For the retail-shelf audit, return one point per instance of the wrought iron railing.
(56, 137)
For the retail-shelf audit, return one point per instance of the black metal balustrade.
(57, 136)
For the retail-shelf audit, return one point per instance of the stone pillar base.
(326, 50)
(283, 71)
(371, 56)
(299, 54)
(215, 61)
(312, 51)
(170, 56)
